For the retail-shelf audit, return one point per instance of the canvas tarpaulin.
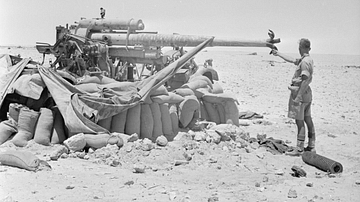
(9, 74)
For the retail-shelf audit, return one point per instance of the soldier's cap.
(305, 43)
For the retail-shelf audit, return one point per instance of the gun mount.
(115, 47)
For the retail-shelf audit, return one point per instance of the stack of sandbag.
(214, 104)
(163, 112)
(7, 129)
(150, 119)
(26, 126)
(45, 127)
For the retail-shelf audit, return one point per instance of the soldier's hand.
(274, 52)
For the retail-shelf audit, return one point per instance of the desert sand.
(218, 172)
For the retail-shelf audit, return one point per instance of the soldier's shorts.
(298, 112)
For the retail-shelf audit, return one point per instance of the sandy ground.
(218, 172)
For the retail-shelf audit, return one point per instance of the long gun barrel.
(161, 40)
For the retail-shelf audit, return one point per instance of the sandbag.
(203, 113)
(118, 122)
(207, 71)
(76, 142)
(44, 127)
(99, 79)
(14, 110)
(187, 109)
(26, 127)
(217, 88)
(175, 84)
(89, 87)
(7, 128)
(156, 113)
(20, 159)
(218, 98)
(166, 119)
(58, 133)
(161, 90)
(221, 110)
(200, 92)
(184, 92)
(105, 123)
(147, 100)
(201, 77)
(174, 118)
(171, 98)
(100, 140)
(132, 124)
(193, 85)
(231, 112)
(212, 112)
(146, 122)
(195, 119)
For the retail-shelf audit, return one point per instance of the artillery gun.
(115, 47)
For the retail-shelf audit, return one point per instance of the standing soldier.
(301, 97)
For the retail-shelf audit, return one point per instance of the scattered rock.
(241, 143)
(331, 175)
(261, 136)
(262, 122)
(64, 156)
(332, 135)
(298, 172)
(199, 136)
(128, 148)
(115, 163)
(172, 195)
(249, 150)
(309, 184)
(138, 168)
(61, 149)
(80, 154)
(182, 136)
(213, 136)
(187, 156)
(244, 123)
(76, 142)
(257, 184)
(279, 172)
(161, 141)
(261, 189)
(254, 145)
(129, 183)
(213, 199)
(225, 148)
(133, 137)
(180, 162)
(357, 182)
(70, 187)
(147, 145)
(292, 193)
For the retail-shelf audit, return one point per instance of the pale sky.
(333, 26)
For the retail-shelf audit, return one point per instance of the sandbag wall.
(24, 124)
(163, 113)
(155, 117)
